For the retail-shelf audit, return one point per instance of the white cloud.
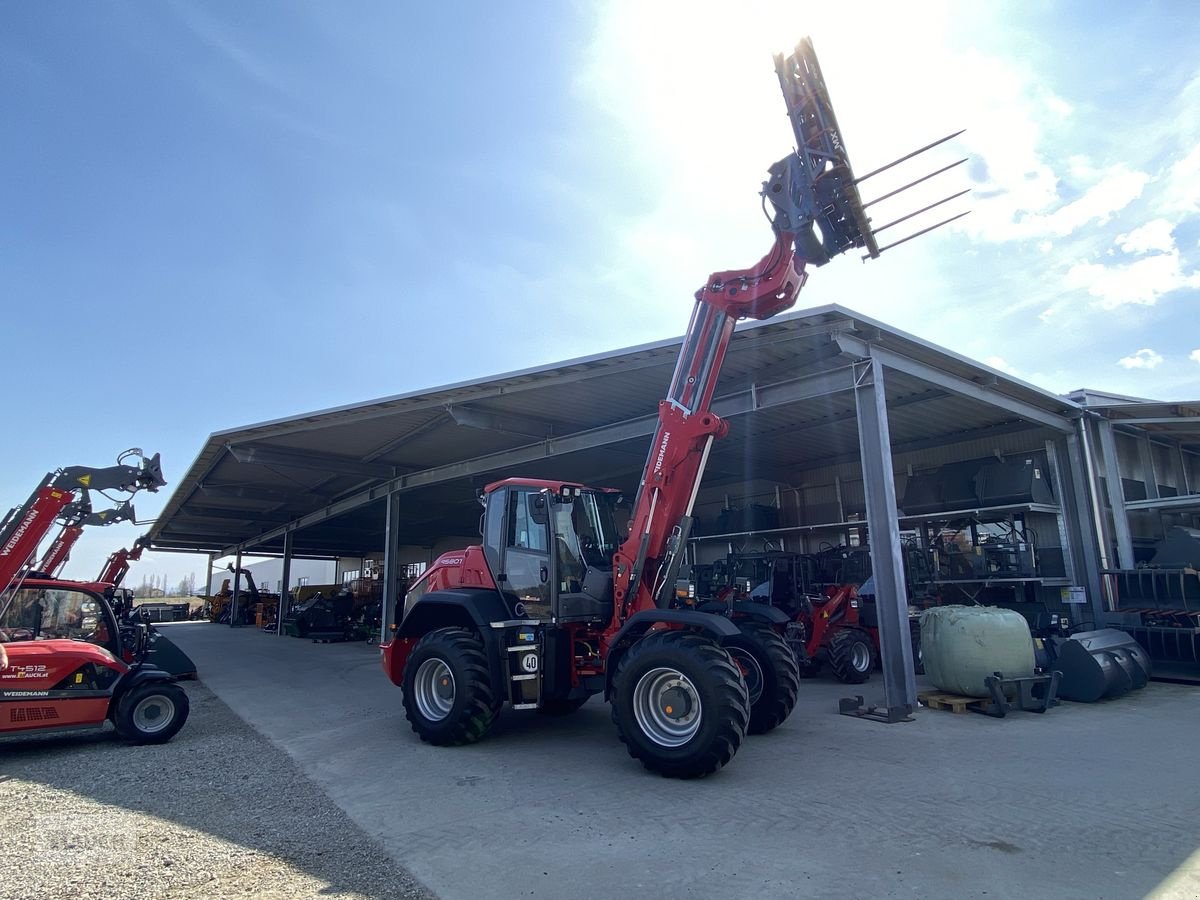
(1142, 359)
(999, 362)
(1194, 356)
(1155, 235)
(1183, 183)
(1139, 283)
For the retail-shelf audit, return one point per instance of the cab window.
(48, 613)
(527, 523)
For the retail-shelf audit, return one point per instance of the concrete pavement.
(1086, 801)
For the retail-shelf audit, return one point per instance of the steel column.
(1149, 476)
(883, 530)
(284, 583)
(391, 567)
(237, 583)
(1116, 495)
(208, 591)
(1086, 522)
(1080, 519)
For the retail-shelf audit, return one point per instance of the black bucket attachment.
(166, 655)
(1100, 664)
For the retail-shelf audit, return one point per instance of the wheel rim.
(433, 689)
(154, 713)
(860, 657)
(667, 707)
(751, 671)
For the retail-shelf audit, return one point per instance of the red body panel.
(35, 714)
(459, 568)
(39, 665)
(35, 668)
(35, 521)
(60, 550)
(118, 564)
(456, 568)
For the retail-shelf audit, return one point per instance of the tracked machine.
(556, 605)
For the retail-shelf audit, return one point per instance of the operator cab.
(39, 612)
(550, 547)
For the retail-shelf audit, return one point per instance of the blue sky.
(218, 213)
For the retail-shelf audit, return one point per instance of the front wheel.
(151, 713)
(448, 695)
(680, 704)
(772, 677)
(851, 655)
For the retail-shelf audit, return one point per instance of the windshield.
(588, 528)
(32, 614)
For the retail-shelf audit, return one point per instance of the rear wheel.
(851, 655)
(680, 704)
(769, 668)
(151, 713)
(448, 694)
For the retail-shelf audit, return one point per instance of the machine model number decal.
(452, 561)
(30, 671)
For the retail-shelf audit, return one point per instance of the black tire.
(558, 707)
(685, 668)
(918, 660)
(769, 669)
(151, 713)
(851, 655)
(449, 698)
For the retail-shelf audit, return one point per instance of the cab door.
(518, 548)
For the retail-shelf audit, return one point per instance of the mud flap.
(1100, 664)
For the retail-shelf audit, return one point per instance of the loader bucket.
(1100, 664)
(166, 655)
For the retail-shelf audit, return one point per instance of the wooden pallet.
(954, 702)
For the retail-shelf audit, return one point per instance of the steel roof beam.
(223, 512)
(1190, 421)
(263, 455)
(758, 397)
(254, 492)
(954, 383)
(522, 426)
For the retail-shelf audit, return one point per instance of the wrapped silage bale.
(963, 645)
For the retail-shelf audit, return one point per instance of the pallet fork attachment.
(814, 190)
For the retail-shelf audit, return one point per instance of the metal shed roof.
(787, 387)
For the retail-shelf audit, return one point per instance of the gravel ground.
(219, 811)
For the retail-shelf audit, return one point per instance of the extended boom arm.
(817, 214)
(24, 527)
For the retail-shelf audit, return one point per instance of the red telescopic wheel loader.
(556, 605)
(68, 661)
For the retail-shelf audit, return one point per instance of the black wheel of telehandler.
(449, 698)
(769, 668)
(557, 708)
(851, 655)
(151, 713)
(680, 704)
